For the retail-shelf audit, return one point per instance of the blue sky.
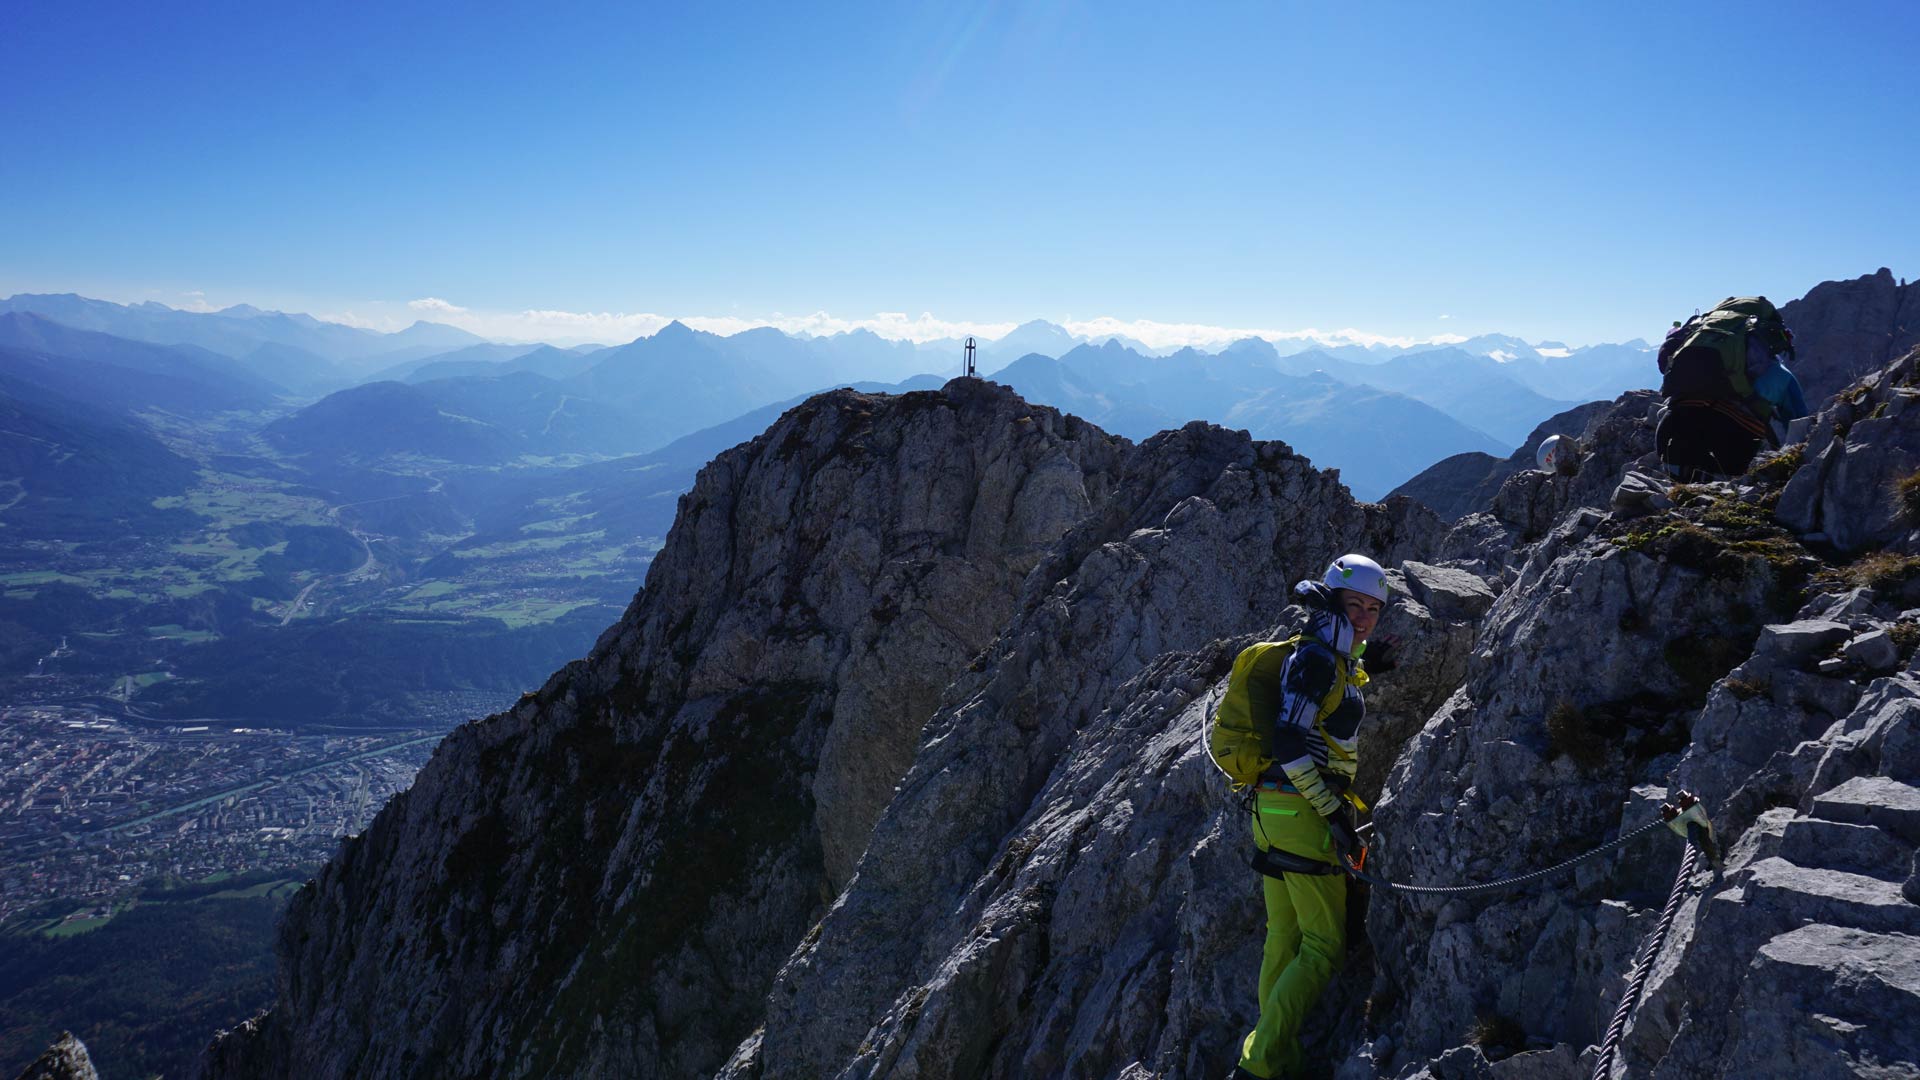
(1578, 171)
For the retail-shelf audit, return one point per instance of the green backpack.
(1704, 360)
(1240, 738)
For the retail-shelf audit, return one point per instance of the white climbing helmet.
(1359, 573)
(1554, 449)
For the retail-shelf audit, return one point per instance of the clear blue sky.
(1584, 171)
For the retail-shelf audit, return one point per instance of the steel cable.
(1618, 1028)
(1512, 882)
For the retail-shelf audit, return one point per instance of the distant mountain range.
(289, 347)
(299, 352)
(72, 470)
(135, 374)
(1332, 421)
(466, 420)
(481, 402)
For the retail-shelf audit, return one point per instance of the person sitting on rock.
(1300, 806)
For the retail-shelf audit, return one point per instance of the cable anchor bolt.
(1687, 817)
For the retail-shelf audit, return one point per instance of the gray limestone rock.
(648, 837)
(1560, 1063)
(1459, 1063)
(1845, 605)
(1061, 831)
(1797, 642)
(66, 1059)
(1829, 1001)
(1808, 894)
(1819, 690)
(1834, 845)
(1874, 800)
(1843, 330)
(1864, 448)
(1875, 651)
(1614, 441)
(1639, 494)
(1448, 592)
(904, 609)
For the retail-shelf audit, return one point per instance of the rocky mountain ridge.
(688, 854)
(826, 581)
(1846, 330)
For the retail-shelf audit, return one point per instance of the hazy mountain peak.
(1037, 335)
(1039, 325)
(760, 333)
(29, 298)
(1252, 346)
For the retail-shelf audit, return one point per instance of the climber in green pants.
(1300, 802)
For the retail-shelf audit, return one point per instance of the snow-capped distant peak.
(1555, 351)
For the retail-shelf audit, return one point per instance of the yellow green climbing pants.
(1306, 933)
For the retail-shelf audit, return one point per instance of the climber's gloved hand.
(1346, 843)
(1382, 654)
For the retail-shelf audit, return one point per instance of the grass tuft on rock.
(1497, 1035)
(1731, 513)
(1906, 495)
(1906, 637)
(1778, 468)
(1882, 571)
(1728, 540)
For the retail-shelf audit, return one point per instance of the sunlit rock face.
(1844, 330)
(66, 1059)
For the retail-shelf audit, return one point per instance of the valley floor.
(93, 805)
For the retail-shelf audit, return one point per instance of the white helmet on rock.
(1359, 573)
(1556, 453)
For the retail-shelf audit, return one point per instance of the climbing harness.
(1275, 863)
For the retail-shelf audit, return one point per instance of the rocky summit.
(896, 768)
(66, 1059)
